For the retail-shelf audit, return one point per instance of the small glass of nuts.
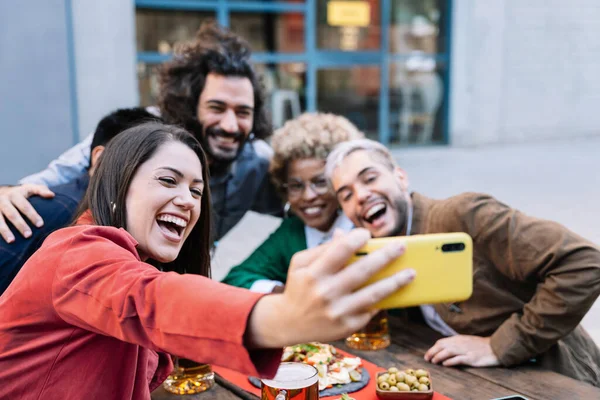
(398, 384)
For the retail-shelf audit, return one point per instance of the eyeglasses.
(318, 185)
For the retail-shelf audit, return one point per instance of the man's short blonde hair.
(311, 135)
(343, 150)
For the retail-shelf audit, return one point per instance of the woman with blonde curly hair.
(297, 169)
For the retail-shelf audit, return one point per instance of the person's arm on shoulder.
(13, 199)
(268, 263)
(14, 205)
(527, 249)
(57, 213)
(66, 167)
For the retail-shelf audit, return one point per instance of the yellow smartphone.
(444, 265)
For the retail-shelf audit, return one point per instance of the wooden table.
(409, 343)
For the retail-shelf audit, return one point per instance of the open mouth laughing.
(173, 227)
(374, 214)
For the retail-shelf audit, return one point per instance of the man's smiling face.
(371, 193)
(226, 112)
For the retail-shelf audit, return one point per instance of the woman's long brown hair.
(116, 168)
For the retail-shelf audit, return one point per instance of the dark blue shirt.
(56, 212)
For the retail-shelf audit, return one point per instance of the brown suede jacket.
(533, 281)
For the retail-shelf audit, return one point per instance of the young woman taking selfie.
(96, 310)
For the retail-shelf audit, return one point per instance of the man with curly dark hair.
(211, 89)
(211, 82)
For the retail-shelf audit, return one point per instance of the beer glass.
(189, 377)
(374, 336)
(293, 381)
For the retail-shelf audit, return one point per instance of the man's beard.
(213, 136)
(401, 205)
(220, 158)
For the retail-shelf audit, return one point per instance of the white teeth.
(226, 139)
(312, 210)
(172, 219)
(375, 209)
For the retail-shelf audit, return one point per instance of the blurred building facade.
(407, 72)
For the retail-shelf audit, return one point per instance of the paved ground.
(555, 180)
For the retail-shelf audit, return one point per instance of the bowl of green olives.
(409, 384)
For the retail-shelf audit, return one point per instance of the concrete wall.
(105, 55)
(524, 70)
(35, 103)
(49, 100)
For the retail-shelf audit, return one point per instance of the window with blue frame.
(389, 76)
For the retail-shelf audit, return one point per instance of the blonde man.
(533, 280)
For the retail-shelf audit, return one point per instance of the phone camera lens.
(448, 247)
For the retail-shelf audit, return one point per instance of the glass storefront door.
(381, 63)
(351, 91)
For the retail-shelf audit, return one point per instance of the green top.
(271, 259)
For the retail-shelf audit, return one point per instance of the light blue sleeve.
(69, 165)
